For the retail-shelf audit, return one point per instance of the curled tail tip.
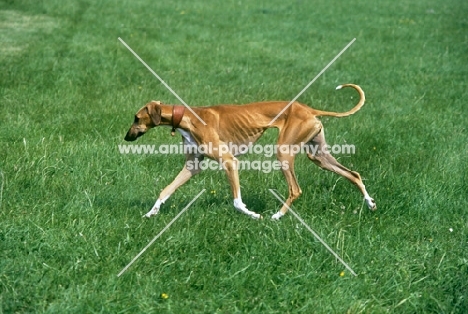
(339, 87)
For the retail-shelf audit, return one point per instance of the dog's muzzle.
(131, 136)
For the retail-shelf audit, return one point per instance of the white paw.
(255, 215)
(243, 209)
(371, 203)
(277, 216)
(152, 212)
(155, 209)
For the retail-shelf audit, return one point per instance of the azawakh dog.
(223, 126)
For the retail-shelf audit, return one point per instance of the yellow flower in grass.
(164, 296)
(342, 274)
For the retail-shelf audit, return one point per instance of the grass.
(71, 205)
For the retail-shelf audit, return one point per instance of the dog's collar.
(177, 115)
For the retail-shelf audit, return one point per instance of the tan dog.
(228, 125)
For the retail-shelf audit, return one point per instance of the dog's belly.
(234, 146)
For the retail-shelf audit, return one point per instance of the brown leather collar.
(177, 115)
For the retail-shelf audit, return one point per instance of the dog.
(219, 127)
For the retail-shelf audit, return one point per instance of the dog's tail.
(350, 112)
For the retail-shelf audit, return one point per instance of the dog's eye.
(135, 120)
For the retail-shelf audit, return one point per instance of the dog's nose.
(129, 137)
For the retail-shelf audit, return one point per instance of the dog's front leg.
(230, 165)
(191, 168)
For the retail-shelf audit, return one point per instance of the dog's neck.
(177, 115)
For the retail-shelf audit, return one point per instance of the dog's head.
(146, 118)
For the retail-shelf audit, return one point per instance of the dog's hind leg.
(287, 162)
(290, 140)
(191, 168)
(325, 160)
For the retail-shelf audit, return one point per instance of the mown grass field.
(71, 204)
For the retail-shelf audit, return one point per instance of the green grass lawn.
(71, 204)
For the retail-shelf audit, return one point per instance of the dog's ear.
(154, 111)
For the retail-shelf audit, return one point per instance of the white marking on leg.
(240, 206)
(370, 203)
(277, 216)
(154, 210)
(156, 206)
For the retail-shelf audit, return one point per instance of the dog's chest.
(188, 138)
